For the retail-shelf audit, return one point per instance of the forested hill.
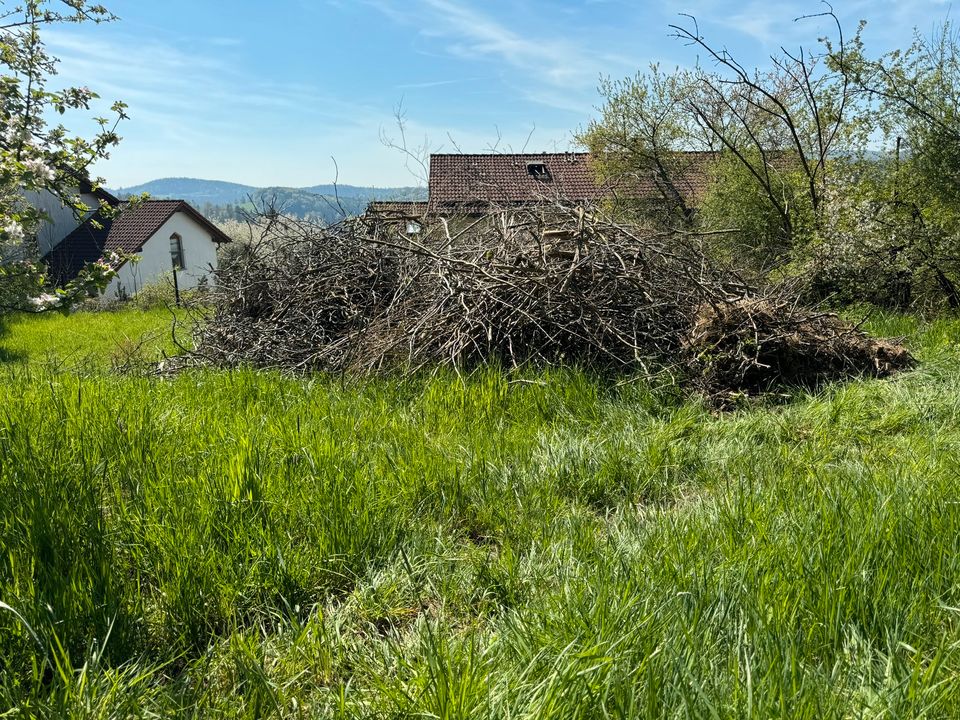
(222, 200)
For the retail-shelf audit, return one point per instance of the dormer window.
(538, 171)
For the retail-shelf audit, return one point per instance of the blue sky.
(267, 93)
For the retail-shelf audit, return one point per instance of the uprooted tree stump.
(544, 285)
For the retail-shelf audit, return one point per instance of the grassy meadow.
(535, 545)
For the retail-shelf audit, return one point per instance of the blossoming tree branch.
(37, 155)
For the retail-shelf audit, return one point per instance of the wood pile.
(515, 287)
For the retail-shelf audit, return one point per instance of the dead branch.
(548, 284)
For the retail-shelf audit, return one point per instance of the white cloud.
(164, 82)
(225, 41)
(778, 23)
(555, 70)
(433, 84)
(197, 113)
(482, 36)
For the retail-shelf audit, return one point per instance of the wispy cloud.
(225, 41)
(196, 110)
(476, 35)
(433, 84)
(551, 69)
(786, 22)
(166, 87)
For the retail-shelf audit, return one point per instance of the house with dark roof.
(62, 219)
(151, 238)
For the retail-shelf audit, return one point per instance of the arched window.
(176, 251)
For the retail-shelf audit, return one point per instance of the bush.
(883, 252)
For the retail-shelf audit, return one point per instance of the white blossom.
(13, 133)
(13, 231)
(39, 169)
(46, 301)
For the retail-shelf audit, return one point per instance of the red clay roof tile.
(461, 179)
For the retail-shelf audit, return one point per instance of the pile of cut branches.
(752, 344)
(553, 285)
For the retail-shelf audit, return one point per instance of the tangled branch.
(518, 286)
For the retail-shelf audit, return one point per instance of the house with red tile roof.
(465, 184)
(152, 238)
(458, 180)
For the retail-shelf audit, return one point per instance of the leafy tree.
(896, 236)
(768, 141)
(752, 231)
(640, 139)
(792, 118)
(36, 155)
(828, 163)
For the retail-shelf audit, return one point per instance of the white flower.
(45, 301)
(14, 231)
(39, 169)
(13, 133)
(107, 263)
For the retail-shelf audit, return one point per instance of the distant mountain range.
(221, 200)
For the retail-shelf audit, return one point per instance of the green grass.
(85, 339)
(243, 544)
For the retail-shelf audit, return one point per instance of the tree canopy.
(828, 163)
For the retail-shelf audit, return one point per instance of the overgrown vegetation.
(505, 529)
(829, 164)
(243, 544)
(743, 194)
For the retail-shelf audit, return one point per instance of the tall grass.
(87, 339)
(246, 544)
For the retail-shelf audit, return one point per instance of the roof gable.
(100, 193)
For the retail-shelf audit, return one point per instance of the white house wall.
(62, 219)
(199, 255)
